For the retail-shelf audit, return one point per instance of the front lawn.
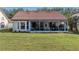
(39, 41)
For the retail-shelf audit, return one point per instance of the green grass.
(39, 42)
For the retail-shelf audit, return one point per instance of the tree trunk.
(76, 28)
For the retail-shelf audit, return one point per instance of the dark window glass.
(18, 25)
(41, 26)
(22, 25)
(2, 25)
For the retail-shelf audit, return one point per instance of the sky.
(34, 4)
(39, 3)
(29, 8)
(32, 8)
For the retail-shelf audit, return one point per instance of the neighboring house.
(76, 21)
(4, 21)
(39, 21)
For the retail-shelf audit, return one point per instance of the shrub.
(6, 30)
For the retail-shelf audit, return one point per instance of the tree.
(75, 20)
(13, 11)
(70, 22)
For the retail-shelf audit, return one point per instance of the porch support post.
(65, 25)
(25, 25)
(18, 25)
(48, 26)
(29, 25)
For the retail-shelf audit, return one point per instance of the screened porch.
(49, 26)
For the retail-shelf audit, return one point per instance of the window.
(22, 25)
(50, 24)
(45, 25)
(35, 25)
(2, 25)
(61, 26)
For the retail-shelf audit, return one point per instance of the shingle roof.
(38, 15)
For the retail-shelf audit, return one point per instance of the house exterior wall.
(17, 26)
(4, 20)
(10, 24)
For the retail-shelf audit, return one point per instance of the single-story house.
(39, 21)
(4, 20)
